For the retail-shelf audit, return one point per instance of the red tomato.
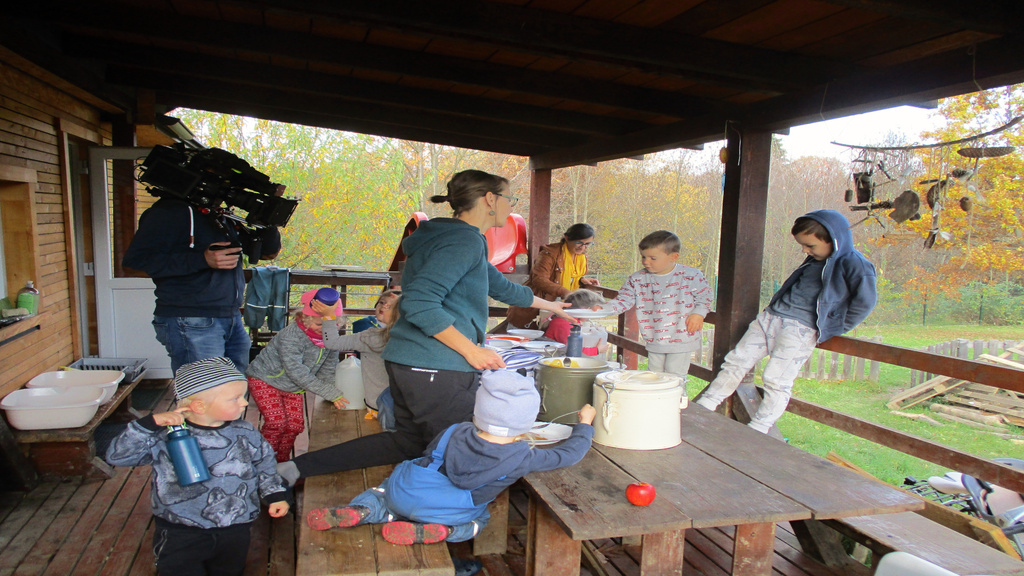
(640, 493)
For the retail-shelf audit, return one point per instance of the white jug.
(348, 379)
(593, 335)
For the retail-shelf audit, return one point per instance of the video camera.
(206, 177)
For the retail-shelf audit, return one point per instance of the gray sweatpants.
(787, 342)
(677, 363)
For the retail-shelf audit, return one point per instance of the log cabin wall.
(37, 119)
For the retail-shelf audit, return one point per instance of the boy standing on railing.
(671, 301)
(829, 294)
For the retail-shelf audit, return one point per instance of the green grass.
(866, 400)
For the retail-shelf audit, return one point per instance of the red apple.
(640, 493)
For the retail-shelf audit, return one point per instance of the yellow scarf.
(573, 268)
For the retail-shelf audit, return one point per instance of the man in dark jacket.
(194, 256)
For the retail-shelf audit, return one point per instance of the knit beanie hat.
(506, 403)
(195, 377)
(327, 296)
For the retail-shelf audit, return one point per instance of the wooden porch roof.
(562, 81)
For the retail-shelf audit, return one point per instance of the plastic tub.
(105, 380)
(50, 407)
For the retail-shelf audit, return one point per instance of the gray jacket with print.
(291, 362)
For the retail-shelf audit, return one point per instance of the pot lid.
(638, 380)
(577, 363)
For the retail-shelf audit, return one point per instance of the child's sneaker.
(408, 533)
(327, 518)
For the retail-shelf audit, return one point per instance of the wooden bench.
(917, 535)
(362, 550)
(72, 451)
(943, 536)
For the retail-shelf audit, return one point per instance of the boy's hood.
(838, 227)
(430, 229)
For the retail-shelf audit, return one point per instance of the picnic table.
(722, 474)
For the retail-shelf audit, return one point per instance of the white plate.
(541, 345)
(500, 344)
(523, 333)
(588, 313)
(544, 433)
(343, 267)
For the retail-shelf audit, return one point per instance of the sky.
(862, 129)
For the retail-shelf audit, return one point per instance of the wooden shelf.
(22, 328)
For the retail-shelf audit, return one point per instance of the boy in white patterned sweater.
(671, 300)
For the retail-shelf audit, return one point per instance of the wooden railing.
(630, 349)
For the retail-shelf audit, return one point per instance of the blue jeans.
(191, 338)
(376, 501)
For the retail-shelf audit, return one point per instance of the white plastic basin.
(524, 333)
(50, 407)
(107, 380)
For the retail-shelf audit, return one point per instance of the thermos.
(574, 343)
(186, 457)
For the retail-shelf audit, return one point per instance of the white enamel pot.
(638, 410)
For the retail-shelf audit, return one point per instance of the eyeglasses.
(582, 243)
(511, 199)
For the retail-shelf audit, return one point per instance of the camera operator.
(194, 256)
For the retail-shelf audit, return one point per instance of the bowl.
(524, 333)
(46, 408)
(106, 380)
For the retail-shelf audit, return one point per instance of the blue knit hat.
(506, 403)
(195, 377)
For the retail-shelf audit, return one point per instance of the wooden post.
(833, 373)
(821, 363)
(741, 250)
(874, 365)
(979, 348)
(847, 367)
(540, 213)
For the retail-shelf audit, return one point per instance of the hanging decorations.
(944, 178)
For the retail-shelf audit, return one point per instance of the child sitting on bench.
(444, 494)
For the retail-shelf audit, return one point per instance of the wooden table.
(722, 474)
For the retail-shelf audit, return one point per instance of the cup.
(328, 296)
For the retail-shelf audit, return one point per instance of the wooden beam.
(225, 106)
(995, 16)
(304, 82)
(578, 38)
(222, 35)
(954, 367)
(399, 117)
(1005, 476)
(995, 63)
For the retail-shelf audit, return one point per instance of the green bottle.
(28, 298)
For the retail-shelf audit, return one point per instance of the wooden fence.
(966, 349)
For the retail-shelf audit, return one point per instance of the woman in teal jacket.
(434, 356)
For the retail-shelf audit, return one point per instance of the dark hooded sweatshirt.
(848, 291)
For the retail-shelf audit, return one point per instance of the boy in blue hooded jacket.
(829, 294)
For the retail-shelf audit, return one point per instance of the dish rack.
(132, 367)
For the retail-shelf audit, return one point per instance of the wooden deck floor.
(105, 528)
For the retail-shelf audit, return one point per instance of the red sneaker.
(408, 533)
(327, 518)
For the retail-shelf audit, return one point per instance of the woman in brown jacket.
(560, 269)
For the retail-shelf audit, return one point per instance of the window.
(19, 257)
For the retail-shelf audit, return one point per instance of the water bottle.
(186, 456)
(28, 298)
(574, 343)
